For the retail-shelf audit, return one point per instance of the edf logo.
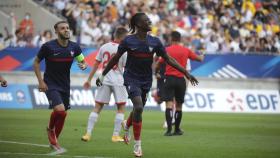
(262, 102)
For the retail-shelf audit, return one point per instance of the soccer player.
(175, 83)
(113, 83)
(3, 82)
(59, 55)
(140, 48)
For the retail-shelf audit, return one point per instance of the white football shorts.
(104, 92)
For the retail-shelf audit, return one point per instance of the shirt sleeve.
(191, 54)
(99, 55)
(42, 54)
(78, 50)
(123, 47)
(160, 49)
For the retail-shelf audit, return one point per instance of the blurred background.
(241, 40)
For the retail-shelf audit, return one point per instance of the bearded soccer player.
(59, 55)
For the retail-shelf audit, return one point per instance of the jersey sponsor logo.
(133, 49)
(56, 54)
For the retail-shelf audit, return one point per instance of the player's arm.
(200, 58)
(3, 82)
(42, 85)
(160, 50)
(157, 68)
(112, 62)
(172, 62)
(194, 56)
(81, 61)
(87, 84)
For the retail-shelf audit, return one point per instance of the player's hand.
(42, 87)
(4, 83)
(87, 85)
(99, 80)
(82, 65)
(193, 80)
(158, 76)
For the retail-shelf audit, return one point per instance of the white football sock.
(92, 119)
(117, 126)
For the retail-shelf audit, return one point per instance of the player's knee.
(138, 109)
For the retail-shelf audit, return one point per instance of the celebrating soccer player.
(59, 55)
(140, 48)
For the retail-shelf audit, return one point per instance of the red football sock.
(61, 115)
(129, 120)
(52, 120)
(137, 126)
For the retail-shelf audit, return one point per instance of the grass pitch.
(207, 135)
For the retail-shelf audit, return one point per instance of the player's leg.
(92, 119)
(167, 96)
(102, 97)
(120, 96)
(57, 117)
(137, 123)
(62, 114)
(168, 117)
(179, 97)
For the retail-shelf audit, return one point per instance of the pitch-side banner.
(82, 99)
(232, 100)
(15, 96)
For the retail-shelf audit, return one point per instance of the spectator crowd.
(216, 26)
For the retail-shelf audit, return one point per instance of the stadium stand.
(239, 26)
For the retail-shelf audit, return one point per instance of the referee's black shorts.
(174, 87)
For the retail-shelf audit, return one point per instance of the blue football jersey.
(58, 61)
(140, 55)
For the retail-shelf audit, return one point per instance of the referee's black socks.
(178, 118)
(168, 117)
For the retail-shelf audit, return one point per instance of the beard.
(64, 37)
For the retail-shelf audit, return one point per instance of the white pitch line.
(31, 154)
(56, 154)
(11, 142)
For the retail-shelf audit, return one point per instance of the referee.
(175, 83)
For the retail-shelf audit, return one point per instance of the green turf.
(207, 135)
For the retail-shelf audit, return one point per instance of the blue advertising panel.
(21, 59)
(219, 66)
(238, 66)
(15, 96)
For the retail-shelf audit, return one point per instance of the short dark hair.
(59, 22)
(119, 32)
(175, 36)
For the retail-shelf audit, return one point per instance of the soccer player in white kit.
(113, 83)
